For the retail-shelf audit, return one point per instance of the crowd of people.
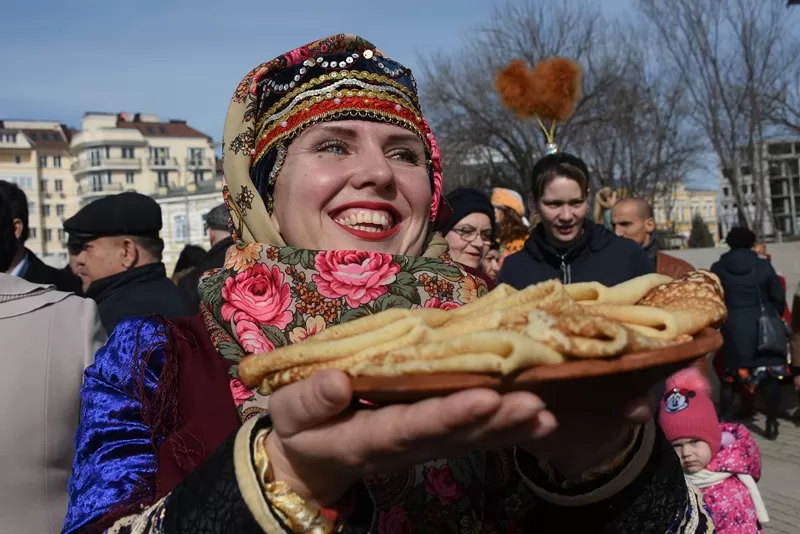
(332, 178)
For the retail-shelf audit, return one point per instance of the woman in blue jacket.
(567, 245)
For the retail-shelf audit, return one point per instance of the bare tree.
(483, 142)
(731, 55)
(642, 140)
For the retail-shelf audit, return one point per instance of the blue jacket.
(598, 256)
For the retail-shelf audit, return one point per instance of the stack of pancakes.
(505, 331)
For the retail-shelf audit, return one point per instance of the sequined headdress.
(340, 77)
(549, 91)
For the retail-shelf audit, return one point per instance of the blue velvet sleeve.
(113, 447)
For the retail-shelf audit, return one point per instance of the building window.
(127, 153)
(32, 233)
(43, 161)
(17, 159)
(107, 177)
(95, 156)
(43, 186)
(57, 162)
(60, 210)
(48, 235)
(46, 210)
(129, 177)
(198, 176)
(726, 192)
(163, 179)
(62, 236)
(196, 156)
(159, 156)
(59, 185)
(97, 182)
(180, 228)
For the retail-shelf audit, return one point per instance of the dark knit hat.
(464, 201)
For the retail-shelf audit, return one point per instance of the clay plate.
(573, 383)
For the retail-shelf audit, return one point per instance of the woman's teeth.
(367, 221)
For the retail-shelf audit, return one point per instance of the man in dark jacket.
(117, 254)
(220, 239)
(596, 256)
(25, 263)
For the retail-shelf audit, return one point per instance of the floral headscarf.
(339, 77)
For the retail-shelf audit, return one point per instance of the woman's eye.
(333, 147)
(405, 155)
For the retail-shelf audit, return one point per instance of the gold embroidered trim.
(374, 114)
(343, 74)
(292, 510)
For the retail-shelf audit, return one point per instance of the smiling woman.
(333, 182)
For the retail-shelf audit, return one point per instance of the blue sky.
(183, 58)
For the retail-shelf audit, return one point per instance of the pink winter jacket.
(729, 501)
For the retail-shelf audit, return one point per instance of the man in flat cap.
(220, 239)
(116, 252)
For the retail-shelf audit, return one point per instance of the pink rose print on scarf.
(314, 325)
(436, 302)
(395, 521)
(358, 276)
(252, 340)
(440, 483)
(298, 55)
(240, 393)
(260, 294)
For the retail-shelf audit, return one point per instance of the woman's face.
(491, 263)
(562, 209)
(469, 239)
(357, 185)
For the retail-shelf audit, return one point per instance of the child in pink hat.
(721, 459)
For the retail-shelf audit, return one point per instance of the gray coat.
(47, 339)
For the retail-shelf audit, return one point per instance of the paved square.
(780, 478)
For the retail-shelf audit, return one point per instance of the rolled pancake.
(586, 292)
(481, 352)
(586, 336)
(654, 322)
(498, 294)
(255, 366)
(628, 293)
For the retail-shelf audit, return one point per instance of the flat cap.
(123, 214)
(217, 218)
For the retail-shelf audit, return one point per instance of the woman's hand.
(321, 448)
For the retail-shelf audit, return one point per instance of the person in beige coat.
(47, 339)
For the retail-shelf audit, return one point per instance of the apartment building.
(117, 152)
(183, 211)
(675, 211)
(35, 155)
(781, 183)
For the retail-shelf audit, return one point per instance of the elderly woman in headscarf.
(471, 229)
(333, 180)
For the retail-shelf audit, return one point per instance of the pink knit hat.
(687, 411)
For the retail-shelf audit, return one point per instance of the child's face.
(695, 455)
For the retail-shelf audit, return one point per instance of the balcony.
(83, 166)
(93, 190)
(163, 163)
(200, 164)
